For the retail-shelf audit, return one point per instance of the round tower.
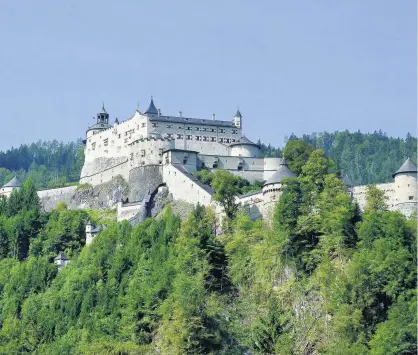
(243, 147)
(237, 120)
(405, 187)
(8, 188)
(272, 188)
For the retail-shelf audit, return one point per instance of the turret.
(405, 186)
(61, 260)
(272, 188)
(237, 120)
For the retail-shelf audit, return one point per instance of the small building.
(91, 231)
(61, 260)
(9, 187)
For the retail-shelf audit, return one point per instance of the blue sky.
(292, 66)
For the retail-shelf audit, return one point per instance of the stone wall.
(142, 180)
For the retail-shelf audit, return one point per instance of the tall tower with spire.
(237, 120)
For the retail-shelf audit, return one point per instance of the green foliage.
(82, 187)
(297, 153)
(319, 279)
(376, 200)
(226, 188)
(61, 206)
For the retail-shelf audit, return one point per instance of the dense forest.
(47, 164)
(362, 158)
(316, 278)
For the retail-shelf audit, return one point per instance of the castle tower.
(272, 188)
(61, 260)
(237, 120)
(89, 232)
(7, 188)
(102, 122)
(405, 186)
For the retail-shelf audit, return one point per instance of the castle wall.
(252, 204)
(359, 194)
(50, 198)
(187, 159)
(186, 187)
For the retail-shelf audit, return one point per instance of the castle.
(154, 152)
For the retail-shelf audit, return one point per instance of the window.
(154, 124)
(221, 130)
(169, 135)
(198, 129)
(169, 126)
(181, 127)
(143, 153)
(234, 131)
(106, 142)
(93, 146)
(143, 124)
(221, 140)
(226, 140)
(206, 139)
(232, 140)
(118, 135)
(132, 156)
(179, 136)
(198, 138)
(213, 129)
(411, 198)
(188, 128)
(160, 152)
(204, 129)
(189, 137)
(213, 139)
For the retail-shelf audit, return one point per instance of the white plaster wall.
(245, 150)
(6, 191)
(184, 188)
(127, 212)
(405, 186)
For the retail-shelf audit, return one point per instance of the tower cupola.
(103, 116)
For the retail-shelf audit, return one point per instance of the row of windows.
(198, 129)
(189, 137)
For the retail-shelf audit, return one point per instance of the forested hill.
(47, 163)
(363, 157)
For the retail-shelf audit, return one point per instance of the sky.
(295, 66)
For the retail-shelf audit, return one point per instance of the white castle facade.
(152, 152)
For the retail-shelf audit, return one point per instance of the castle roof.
(244, 141)
(13, 183)
(151, 110)
(61, 256)
(407, 167)
(197, 121)
(116, 120)
(238, 114)
(282, 172)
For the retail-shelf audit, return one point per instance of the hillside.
(317, 279)
(364, 158)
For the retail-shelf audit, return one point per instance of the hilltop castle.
(156, 153)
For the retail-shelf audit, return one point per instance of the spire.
(238, 114)
(103, 108)
(151, 110)
(116, 120)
